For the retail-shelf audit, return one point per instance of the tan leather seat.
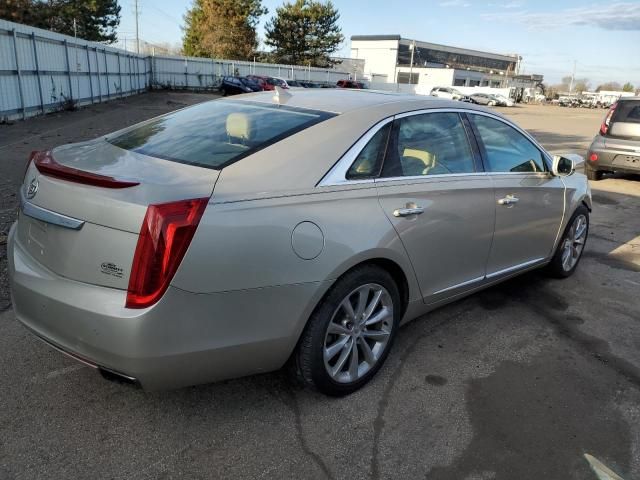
(240, 128)
(427, 159)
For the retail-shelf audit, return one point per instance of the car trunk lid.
(87, 231)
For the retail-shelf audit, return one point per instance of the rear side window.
(216, 133)
(369, 160)
(507, 150)
(428, 144)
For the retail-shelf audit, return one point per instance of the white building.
(393, 59)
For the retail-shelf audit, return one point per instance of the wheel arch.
(399, 269)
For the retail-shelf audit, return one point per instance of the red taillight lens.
(47, 165)
(604, 128)
(593, 157)
(165, 235)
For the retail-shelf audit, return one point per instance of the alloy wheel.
(358, 333)
(574, 243)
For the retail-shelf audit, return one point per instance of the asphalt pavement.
(517, 382)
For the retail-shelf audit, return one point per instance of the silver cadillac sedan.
(236, 236)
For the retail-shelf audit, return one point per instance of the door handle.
(508, 200)
(405, 212)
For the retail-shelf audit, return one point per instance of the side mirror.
(563, 166)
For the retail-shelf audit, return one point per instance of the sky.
(603, 39)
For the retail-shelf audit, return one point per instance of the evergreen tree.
(303, 32)
(96, 20)
(222, 28)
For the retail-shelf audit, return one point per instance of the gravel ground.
(516, 382)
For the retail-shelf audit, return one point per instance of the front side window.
(216, 133)
(507, 150)
(428, 144)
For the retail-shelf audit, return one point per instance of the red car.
(268, 83)
(349, 84)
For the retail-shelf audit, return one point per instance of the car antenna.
(281, 96)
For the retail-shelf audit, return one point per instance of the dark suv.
(616, 148)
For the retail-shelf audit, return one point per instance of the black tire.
(223, 91)
(308, 359)
(555, 267)
(593, 174)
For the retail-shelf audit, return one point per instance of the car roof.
(342, 101)
(297, 162)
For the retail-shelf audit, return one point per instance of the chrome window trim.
(428, 177)
(44, 215)
(337, 174)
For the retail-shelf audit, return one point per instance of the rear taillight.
(604, 128)
(593, 157)
(32, 155)
(47, 165)
(165, 235)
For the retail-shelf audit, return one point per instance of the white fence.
(205, 73)
(42, 71)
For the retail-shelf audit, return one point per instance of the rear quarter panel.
(248, 244)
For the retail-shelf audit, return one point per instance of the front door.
(529, 200)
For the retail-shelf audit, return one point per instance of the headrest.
(239, 125)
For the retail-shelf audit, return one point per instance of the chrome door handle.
(508, 200)
(405, 212)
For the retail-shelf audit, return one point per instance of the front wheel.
(571, 246)
(349, 335)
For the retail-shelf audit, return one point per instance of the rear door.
(440, 205)
(528, 202)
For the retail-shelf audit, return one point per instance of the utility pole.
(573, 77)
(412, 47)
(137, 13)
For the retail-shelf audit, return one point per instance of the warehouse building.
(393, 59)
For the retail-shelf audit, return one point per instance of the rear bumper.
(613, 159)
(184, 339)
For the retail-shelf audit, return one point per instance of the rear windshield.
(628, 112)
(216, 133)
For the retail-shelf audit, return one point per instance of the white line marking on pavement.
(600, 469)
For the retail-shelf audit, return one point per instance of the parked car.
(295, 84)
(349, 84)
(268, 83)
(308, 84)
(446, 92)
(232, 236)
(484, 99)
(502, 100)
(616, 147)
(236, 85)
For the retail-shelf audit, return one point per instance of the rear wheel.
(571, 245)
(350, 334)
(223, 91)
(593, 174)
